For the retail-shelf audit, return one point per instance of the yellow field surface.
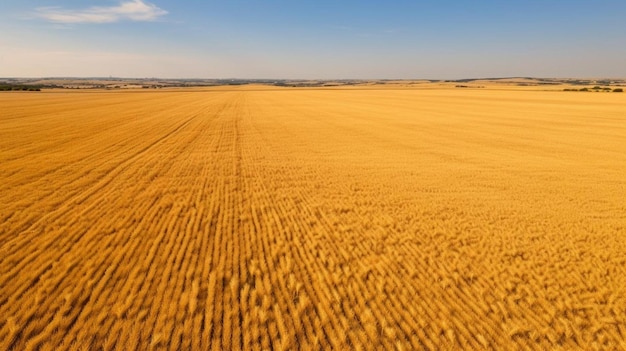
(262, 218)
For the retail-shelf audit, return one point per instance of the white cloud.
(135, 10)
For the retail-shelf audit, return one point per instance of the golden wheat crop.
(263, 218)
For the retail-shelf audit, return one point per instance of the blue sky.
(320, 39)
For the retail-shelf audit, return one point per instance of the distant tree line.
(13, 87)
(596, 89)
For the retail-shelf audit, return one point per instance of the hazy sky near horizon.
(322, 39)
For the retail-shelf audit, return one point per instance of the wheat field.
(257, 218)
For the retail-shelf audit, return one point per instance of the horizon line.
(309, 79)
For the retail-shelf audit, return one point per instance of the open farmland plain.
(262, 218)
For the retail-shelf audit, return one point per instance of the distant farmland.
(260, 218)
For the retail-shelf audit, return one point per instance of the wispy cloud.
(134, 10)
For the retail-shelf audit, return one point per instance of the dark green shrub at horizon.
(19, 88)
